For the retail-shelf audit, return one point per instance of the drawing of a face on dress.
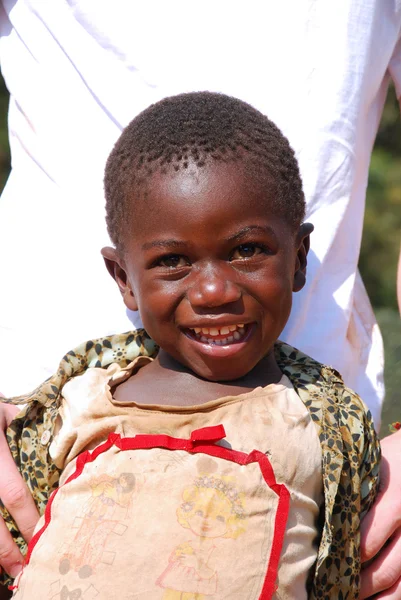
(108, 506)
(212, 509)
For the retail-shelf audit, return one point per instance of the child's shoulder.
(320, 387)
(305, 372)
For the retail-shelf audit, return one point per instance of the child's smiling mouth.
(220, 336)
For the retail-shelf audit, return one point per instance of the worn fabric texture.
(350, 449)
(122, 513)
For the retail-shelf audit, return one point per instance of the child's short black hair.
(200, 127)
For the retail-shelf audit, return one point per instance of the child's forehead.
(213, 183)
(203, 205)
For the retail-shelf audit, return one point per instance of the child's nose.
(213, 287)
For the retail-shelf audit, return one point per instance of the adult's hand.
(381, 530)
(16, 498)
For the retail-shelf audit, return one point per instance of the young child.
(203, 458)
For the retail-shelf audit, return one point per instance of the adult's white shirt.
(79, 70)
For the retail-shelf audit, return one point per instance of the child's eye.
(173, 261)
(246, 251)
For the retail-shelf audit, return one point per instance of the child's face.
(211, 268)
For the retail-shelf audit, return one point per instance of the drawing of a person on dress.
(212, 509)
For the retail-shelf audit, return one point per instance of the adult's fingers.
(383, 575)
(7, 413)
(384, 518)
(394, 593)
(16, 498)
(9, 552)
(11, 558)
(381, 522)
(14, 493)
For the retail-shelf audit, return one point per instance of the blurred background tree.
(380, 244)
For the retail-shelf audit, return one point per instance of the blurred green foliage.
(382, 226)
(380, 244)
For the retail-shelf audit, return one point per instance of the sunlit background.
(380, 244)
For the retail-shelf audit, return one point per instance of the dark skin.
(169, 383)
(206, 252)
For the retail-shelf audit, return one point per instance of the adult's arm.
(15, 496)
(381, 529)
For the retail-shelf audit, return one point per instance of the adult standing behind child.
(78, 72)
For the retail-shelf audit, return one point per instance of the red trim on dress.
(201, 441)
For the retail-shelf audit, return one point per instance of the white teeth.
(214, 331)
(209, 334)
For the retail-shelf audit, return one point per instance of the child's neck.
(167, 382)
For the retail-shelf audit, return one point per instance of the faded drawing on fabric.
(109, 503)
(212, 509)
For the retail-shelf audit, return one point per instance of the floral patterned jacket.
(350, 449)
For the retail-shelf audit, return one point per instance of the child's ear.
(302, 244)
(116, 267)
